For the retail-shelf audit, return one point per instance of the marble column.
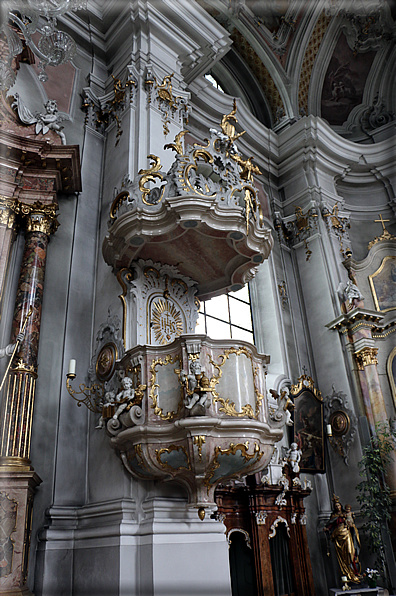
(8, 228)
(17, 477)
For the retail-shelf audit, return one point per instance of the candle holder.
(93, 395)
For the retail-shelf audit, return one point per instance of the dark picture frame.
(308, 424)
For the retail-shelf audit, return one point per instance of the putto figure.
(50, 120)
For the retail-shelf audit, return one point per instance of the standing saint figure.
(345, 536)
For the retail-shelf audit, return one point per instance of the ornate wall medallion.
(8, 518)
(166, 321)
(340, 422)
(105, 362)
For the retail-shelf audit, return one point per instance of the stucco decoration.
(226, 438)
(108, 349)
(343, 422)
(45, 121)
(208, 200)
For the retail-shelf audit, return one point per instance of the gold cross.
(381, 220)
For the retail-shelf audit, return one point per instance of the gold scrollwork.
(122, 275)
(150, 175)
(228, 122)
(9, 208)
(366, 357)
(153, 386)
(232, 449)
(227, 406)
(118, 201)
(159, 452)
(199, 440)
(177, 144)
(306, 382)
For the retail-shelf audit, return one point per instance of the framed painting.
(391, 370)
(383, 285)
(308, 424)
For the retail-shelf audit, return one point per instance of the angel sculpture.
(285, 404)
(44, 122)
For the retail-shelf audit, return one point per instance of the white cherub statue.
(293, 456)
(124, 397)
(192, 382)
(109, 401)
(44, 122)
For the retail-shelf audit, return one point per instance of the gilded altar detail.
(366, 357)
(40, 217)
(167, 323)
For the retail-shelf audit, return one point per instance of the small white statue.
(293, 456)
(125, 396)
(191, 382)
(44, 122)
(109, 401)
(284, 405)
(8, 350)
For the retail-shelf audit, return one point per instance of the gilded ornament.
(385, 234)
(241, 531)
(118, 201)
(167, 323)
(159, 452)
(228, 122)
(227, 406)
(9, 208)
(199, 440)
(306, 382)
(122, 275)
(177, 144)
(150, 175)
(232, 449)
(154, 386)
(366, 357)
(105, 362)
(40, 217)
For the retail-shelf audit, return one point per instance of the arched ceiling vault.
(329, 58)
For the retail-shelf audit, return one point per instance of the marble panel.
(237, 382)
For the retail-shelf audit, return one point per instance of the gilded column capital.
(366, 357)
(9, 208)
(40, 217)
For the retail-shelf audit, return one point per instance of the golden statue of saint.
(345, 536)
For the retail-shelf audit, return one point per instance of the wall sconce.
(93, 396)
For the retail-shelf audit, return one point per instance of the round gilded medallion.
(167, 323)
(105, 362)
(340, 422)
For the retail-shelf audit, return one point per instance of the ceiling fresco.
(317, 58)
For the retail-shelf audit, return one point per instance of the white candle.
(344, 577)
(329, 430)
(72, 367)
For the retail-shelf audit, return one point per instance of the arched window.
(214, 82)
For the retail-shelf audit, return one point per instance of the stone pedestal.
(16, 502)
